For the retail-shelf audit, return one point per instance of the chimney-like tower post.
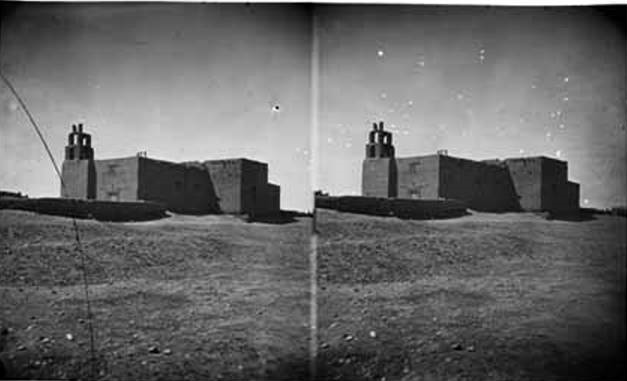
(379, 171)
(379, 142)
(79, 168)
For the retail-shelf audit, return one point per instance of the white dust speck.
(548, 134)
(410, 103)
(421, 63)
(558, 153)
(586, 201)
(565, 99)
(521, 151)
(562, 126)
(460, 96)
(384, 95)
(558, 112)
(380, 53)
(566, 79)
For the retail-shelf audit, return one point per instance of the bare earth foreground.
(481, 297)
(217, 298)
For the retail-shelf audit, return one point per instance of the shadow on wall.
(183, 189)
(201, 197)
(483, 187)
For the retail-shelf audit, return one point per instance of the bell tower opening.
(379, 143)
(79, 144)
(379, 173)
(79, 168)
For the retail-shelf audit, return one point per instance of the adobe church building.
(519, 184)
(234, 186)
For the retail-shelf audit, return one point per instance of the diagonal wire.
(32, 121)
(79, 246)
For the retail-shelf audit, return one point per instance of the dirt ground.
(217, 297)
(481, 297)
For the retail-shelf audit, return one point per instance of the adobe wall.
(526, 174)
(162, 182)
(379, 177)
(117, 179)
(572, 195)
(200, 194)
(99, 210)
(183, 189)
(554, 186)
(269, 201)
(254, 187)
(483, 186)
(402, 208)
(274, 197)
(418, 177)
(227, 180)
(79, 179)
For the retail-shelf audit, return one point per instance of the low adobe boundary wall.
(99, 210)
(402, 208)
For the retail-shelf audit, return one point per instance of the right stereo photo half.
(470, 195)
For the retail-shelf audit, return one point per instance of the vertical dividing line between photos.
(313, 181)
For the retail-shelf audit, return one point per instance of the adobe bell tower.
(79, 169)
(379, 174)
(379, 143)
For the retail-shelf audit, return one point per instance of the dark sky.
(181, 81)
(200, 81)
(481, 82)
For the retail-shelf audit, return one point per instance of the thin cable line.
(32, 121)
(74, 224)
